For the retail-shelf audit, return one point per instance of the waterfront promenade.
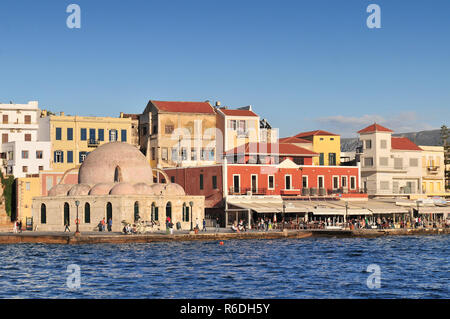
(223, 234)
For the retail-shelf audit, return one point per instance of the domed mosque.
(115, 182)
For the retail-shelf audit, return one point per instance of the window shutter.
(54, 157)
(62, 157)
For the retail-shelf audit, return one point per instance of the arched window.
(66, 214)
(87, 213)
(108, 212)
(117, 175)
(169, 210)
(154, 212)
(136, 211)
(43, 214)
(185, 212)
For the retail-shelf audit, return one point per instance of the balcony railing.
(307, 191)
(93, 142)
(432, 169)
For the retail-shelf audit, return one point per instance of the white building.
(21, 151)
(389, 165)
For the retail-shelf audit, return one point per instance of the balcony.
(93, 142)
(432, 169)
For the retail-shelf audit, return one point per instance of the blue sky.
(303, 65)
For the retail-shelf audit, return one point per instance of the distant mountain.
(428, 138)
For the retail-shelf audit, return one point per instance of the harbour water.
(410, 267)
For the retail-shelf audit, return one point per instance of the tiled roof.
(229, 112)
(316, 132)
(374, 128)
(183, 107)
(404, 143)
(271, 148)
(293, 139)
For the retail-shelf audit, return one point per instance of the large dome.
(115, 162)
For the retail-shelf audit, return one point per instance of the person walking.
(103, 224)
(66, 227)
(109, 224)
(15, 227)
(217, 224)
(196, 224)
(204, 225)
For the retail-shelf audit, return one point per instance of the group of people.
(128, 229)
(102, 225)
(239, 227)
(17, 227)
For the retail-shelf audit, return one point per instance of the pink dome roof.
(174, 189)
(101, 189)
(60, 190)
(122, 189)
(143, 189)
(158, 189)
(79, 189)
(115, 161)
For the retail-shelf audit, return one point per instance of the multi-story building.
(22, 152)
(389, 165)
(326, 144)
(174, 134)
(433, 170)
(74, 137)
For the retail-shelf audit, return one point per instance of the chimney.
(217, 103)
(121, 115)
(61, 113)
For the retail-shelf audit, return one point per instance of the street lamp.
(191, 203)
(77, 232)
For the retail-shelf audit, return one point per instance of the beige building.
(115, 182)
(175, 134)
(433, 170)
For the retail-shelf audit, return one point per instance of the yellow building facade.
(433, 170)
(326, 144)
(74, 137)
(26, 189)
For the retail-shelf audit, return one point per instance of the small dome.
(101, 189)
(143, 189)
(122, 189)
(157, 189)
(79, 189)
(174, 189)
(60, 190)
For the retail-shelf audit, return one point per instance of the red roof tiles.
(316, 132)
(404, 144)
(271, 148)
(374, 128)
(293, 139)
(229, 112)
(183, 107)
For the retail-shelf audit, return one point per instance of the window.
(136, 212)
(321, 138)
(27, 186)
(123, 135)
(70, 134)
(201, 181)
(321, 159)
(242, 130)
(384, 161)
(352, 182)
(5, 119)
(185, 213)
(335, 182)
(214, 182)
(83, 134)
(368, 144)
(169, 129)
(27, 119)
(69, 156)
(398, 163)
(172, 179)
(169, 210)
(368, 161)
(184, 153)
(305, 181)
(101, 134)
(153, 153)
(41, 168)
(413, 162)
(24, 154)
(92, 135)
(233, 125)
(10, 155)
(174, 154)
(39, 154)
(270, 184)
(43, 214)
(5, 138)
(25, 169)
(344, 181)
(87, 213)
(144, 131)
(58, 134)
(211, 154)
(236, 184)
(112, 135)
(203, 154)
(287, 181)
(27, 137)
(383, 144)
(154, 212)
(254, 183)
(108, 212)
(320, 182)
(82, 156)
(164, 153)
(193, 154)
(332, 159)
(58, 157)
